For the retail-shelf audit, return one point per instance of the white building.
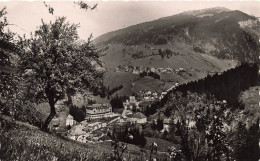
(131, 103)
(99, 111)
(166, 125)
(70, 121)
(132, 99)
(77, 133)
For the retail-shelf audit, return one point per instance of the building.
(131, 103)
(70, 121)
(135, 71)
(78, 133)
(132, 99)
(155, 94)
(138, 118)
(95, 125)
(149, 92)
(166, 125)
(96, 111)
(152, 69)
(54, 124)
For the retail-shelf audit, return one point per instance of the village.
(141, 69)
(100, 118)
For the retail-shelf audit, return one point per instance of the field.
(186, 58)
(114, 79)
(197, 65)
(149, 83)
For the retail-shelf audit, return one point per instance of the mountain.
(216, 31)
(202, 42)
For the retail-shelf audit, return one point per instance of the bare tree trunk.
(69, 99)
(51, 115)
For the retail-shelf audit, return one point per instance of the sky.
(109, 15)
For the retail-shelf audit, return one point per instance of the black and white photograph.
(129, 80)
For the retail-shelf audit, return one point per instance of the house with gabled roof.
(70, 120)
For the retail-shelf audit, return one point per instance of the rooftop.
(70, 117)
(139, 115)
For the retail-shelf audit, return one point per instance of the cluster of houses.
(100, 117)
(151, 96)
(85, 131)
(145, 96)
(133, 103)
(141, 69)
(89, 129)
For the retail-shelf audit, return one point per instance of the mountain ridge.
(202, 42)
(214, 27)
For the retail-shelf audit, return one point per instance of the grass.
(21, 141)
(114, 79)
(148, 83)
(163, 145)
(197, 64)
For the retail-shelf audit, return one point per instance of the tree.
(153, 149)
(159, 124)
(79, 114)
(116, 103)
(9, 81)
(56, 64)
(200, 126)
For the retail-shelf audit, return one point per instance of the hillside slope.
(22, 141)
(202, 42)
(215, 31)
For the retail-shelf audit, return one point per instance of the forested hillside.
(226, 86)
(208, 119)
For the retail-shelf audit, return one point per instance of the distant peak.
(212, 10)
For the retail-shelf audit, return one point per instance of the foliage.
(79, 114)
(226, 86)
(198, 49)
(10, 92)
(151, 74)
(113, 90)
(137, 136)
(50, 9)
(246, 142)
(174, 153)
(139, 54)
(209, 129)
(81, 4)
(56, 64)
(161, 40)
(118, 150)
(158, 125)
(168, 53)
(117, 102)
(85, 6)
(153, 149)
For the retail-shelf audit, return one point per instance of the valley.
(117, 60)
(183, 87)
